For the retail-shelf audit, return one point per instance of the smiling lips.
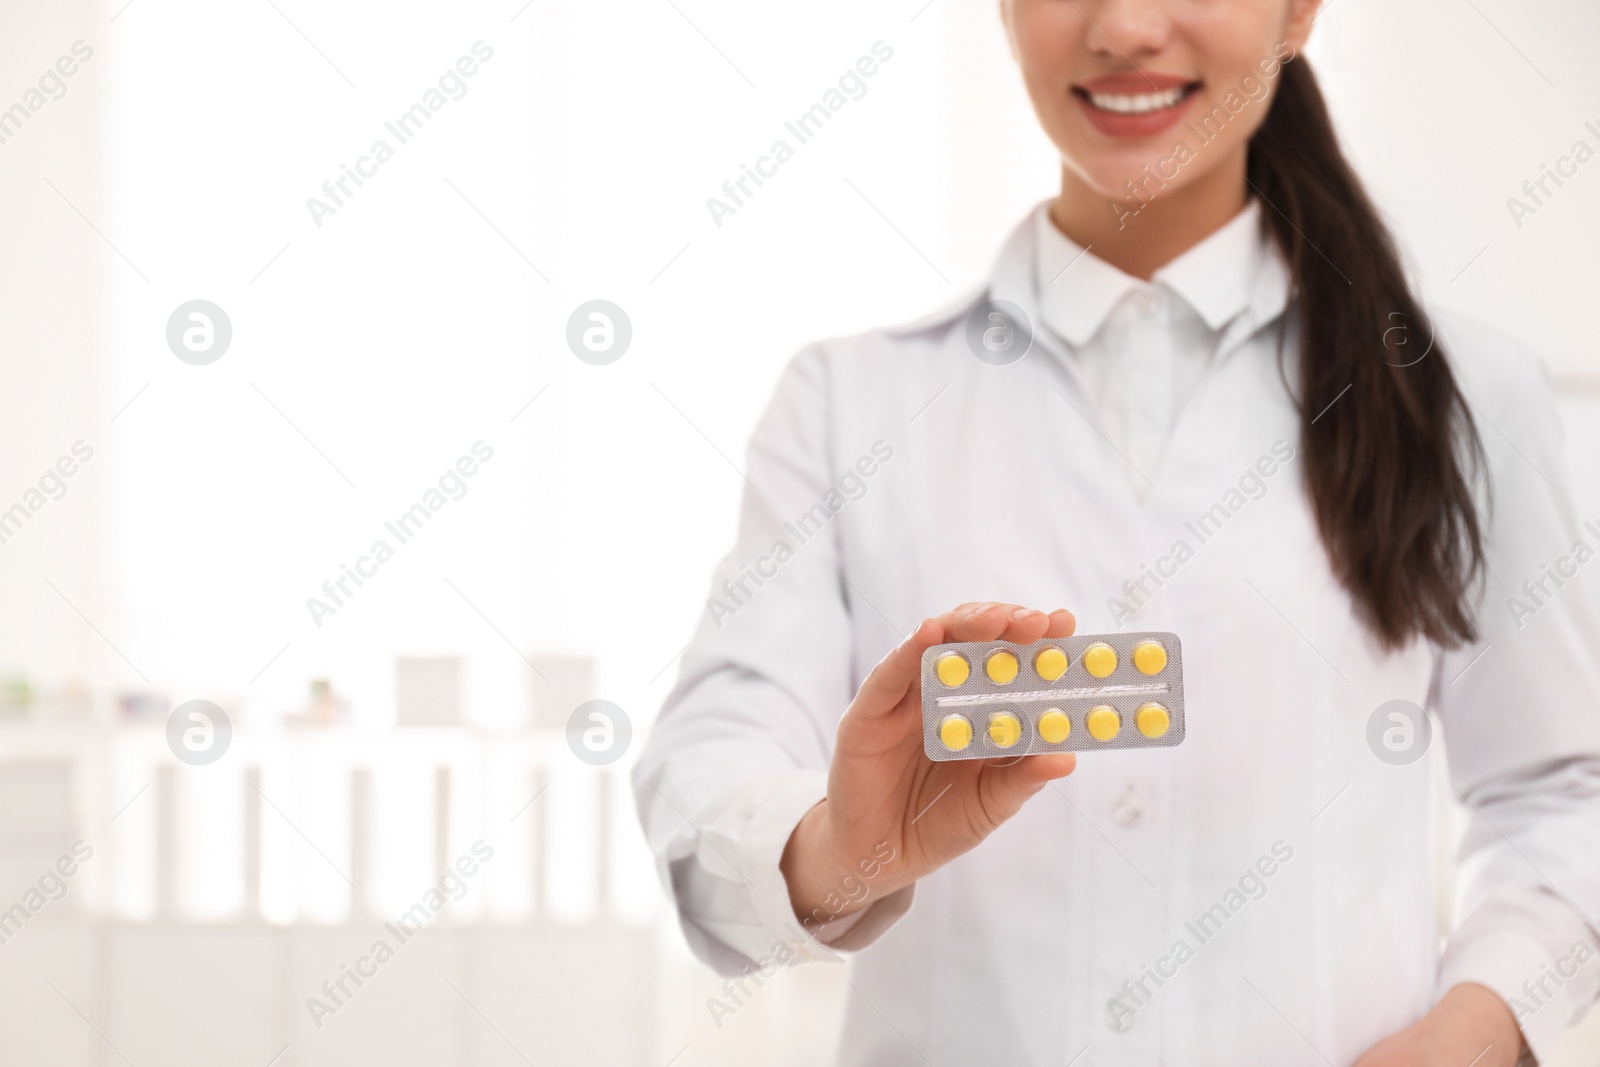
(1134, 104)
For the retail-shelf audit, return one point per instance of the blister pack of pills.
(995, 699)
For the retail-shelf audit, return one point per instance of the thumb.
(896, 673)
(1010, 786)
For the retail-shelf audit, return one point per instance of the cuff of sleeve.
(1503, 962)
(761, 853)
(860, 929)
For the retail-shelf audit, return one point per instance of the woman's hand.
(1469, 1025)
(883, 791)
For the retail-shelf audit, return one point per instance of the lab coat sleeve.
(1520, 711)
(742, 746)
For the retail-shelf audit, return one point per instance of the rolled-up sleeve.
(741, 749)
(1520, 711)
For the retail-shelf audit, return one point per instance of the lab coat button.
(1128, 809)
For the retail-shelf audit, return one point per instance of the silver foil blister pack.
(996, 699)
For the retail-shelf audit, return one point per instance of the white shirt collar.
(1236, 269)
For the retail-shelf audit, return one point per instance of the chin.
(1142, 173)
(1112, 178)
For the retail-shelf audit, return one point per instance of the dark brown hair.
(1390, 451)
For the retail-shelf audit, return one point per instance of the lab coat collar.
(1076, 289)
(1216, 277)
(1236, 279)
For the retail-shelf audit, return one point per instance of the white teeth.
(1138, 104)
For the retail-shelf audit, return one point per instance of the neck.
(1139, 238)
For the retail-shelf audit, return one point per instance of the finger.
(1062, 623)
(896, 673)
(966, 611)
(1039, 770)
(1009, 786)
(992, 621)
(977, 622)
(1026, 625)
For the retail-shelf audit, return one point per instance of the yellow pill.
(1001, 667)
(1153, 720)
(1100, 659)
(952, 669)
(1103, 722)
(956, 732)
(1004, 729)
(1054, 726)
(1050, 663)
(1150, 657)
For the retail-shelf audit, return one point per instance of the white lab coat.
(896, 476)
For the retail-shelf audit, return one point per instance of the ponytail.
(1389, 446)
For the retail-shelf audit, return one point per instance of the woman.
(1199, 396)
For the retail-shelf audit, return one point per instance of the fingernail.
(1023, 613)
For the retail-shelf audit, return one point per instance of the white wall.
(52, 321)
(1448, 108)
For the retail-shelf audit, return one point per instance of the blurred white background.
(428, 313)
